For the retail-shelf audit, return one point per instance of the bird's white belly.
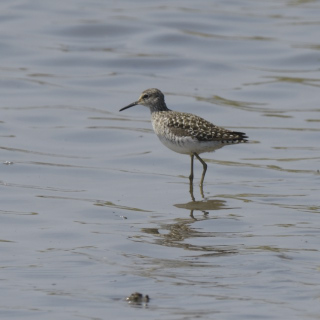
(188, 145)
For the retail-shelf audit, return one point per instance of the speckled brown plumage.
(187, 124)
(183, 132)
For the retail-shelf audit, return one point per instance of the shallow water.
(94, 208)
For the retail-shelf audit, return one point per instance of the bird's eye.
(145, 96)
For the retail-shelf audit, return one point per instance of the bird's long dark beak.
(130, 105)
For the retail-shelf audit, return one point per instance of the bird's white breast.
(188, 145)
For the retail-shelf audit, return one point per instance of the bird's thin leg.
(204, 169)
(191, 173)
(191, 191)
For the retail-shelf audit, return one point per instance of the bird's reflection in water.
(204, 206)
(191, 191)
(177, 234)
